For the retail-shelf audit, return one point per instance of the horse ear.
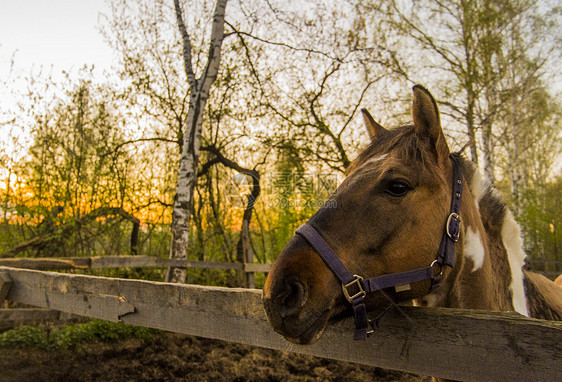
(373, 128)
(427, 121)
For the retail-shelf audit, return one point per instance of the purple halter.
(355, 287)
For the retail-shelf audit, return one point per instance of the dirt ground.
(173, 357)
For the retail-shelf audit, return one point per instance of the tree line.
(210, 102)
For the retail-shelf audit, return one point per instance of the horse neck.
(488, 270)
(508, 285)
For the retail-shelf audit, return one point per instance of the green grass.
(72, 336)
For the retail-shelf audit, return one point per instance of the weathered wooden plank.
(122, 262)
(214, 265)
(26, 315)
(128, 261)
(99, 262)
(95, 304)
(152, 261)
(46, 263)
(462, 345)
(255, 267)
(13, 317)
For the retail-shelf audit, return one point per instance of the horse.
(410, 222)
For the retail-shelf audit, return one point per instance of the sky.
(47, 36)
(55, 34)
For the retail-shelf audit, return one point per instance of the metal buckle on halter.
(434, 265)
(453, 235)
(361, 293)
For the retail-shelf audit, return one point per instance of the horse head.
(386, 217)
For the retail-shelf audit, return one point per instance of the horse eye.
(397, 189)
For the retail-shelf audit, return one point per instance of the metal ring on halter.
(433, 264)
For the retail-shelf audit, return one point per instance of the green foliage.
(92, 145)
(542, 219)
(73, 336)
(73, 144)
(26, 336)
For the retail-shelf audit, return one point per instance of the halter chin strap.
(355, 287)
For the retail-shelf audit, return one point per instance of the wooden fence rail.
(446, 343)
(51, 263)
(97, 262)
(14, 317)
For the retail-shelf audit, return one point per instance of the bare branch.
(186, 46)
(217, 36)
(229, 163)
(133, 141)
(282, 44)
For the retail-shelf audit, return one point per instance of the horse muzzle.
(297, 297)
(289, 316)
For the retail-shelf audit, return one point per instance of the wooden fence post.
(5, 284)
(247, 254)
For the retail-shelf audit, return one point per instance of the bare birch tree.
(471, 45)
(199, 94)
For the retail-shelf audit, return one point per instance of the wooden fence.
(50, 263)
(14, 317)
(446, 343)
(98, 262)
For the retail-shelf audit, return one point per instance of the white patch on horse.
(511, 237)
(473, 248)
(374, 159)
(479, 185)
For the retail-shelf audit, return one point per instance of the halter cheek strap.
(355, 288)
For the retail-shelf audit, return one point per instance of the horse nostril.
(292, 298)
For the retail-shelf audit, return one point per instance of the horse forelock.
(401, 144)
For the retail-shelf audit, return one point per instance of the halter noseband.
(355, 287)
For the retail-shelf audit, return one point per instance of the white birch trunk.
(187, 174)
(517, 162)
(488, 152)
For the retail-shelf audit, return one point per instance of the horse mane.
(405, 143)
(542, 296)
(491, 204)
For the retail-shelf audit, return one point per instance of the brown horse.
(388, 217)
